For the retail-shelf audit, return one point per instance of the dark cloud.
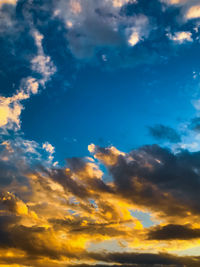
(80, 189)
(162, 132)
(156, 178)
(174, 231)
(31, 240)
(147, 258)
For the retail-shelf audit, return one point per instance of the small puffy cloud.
(138, 31)
(181, 37)
(50, 149)
(134, 39)
(193, 12)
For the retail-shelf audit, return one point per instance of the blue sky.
(112, 107)
(99, 133)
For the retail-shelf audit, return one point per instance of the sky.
(99, 133)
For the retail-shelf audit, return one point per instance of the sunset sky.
(99, 133)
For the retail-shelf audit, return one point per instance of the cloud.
(162, 132)
(41, 63)
(100, 25)
(174, 231)
(49, 149)
(151, 259)
(126, 33)
(137, 33)
(137, 176)
(53, 215)
(9, 2)
(11, 107)
(189, 9)
(181, 37)
(193, 12)
(57, 216)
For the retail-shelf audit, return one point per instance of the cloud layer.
(56, 215)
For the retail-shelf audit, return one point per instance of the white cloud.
(134, 39)
(41, 63)
(11, 107)
(138, 31)
(48, 147)
(50, 150)
(181, 37)
(193, 12)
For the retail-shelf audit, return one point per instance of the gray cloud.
(162, 132)
(174, 231)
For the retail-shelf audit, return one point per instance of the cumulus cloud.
(181, 37)
(67, 210)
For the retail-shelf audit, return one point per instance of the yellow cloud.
(193, 12)
(10, 2)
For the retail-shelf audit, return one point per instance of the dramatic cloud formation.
(113, 207)
(59, 213)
